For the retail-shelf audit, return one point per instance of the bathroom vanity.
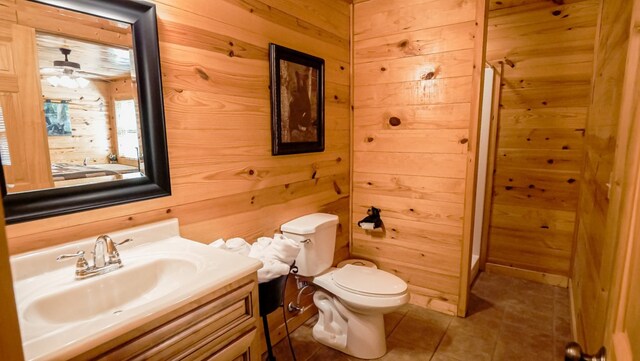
(219, 326)
(172, 299)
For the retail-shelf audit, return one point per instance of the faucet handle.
(81, 264)
(112, 251)
(62, 257)
(125, 241)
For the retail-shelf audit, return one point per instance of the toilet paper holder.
(372, 221)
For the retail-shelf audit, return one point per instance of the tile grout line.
(386, 337)
(500, 330)
(314, 352)
(441, 339)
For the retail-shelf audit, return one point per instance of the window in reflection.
(127, 129)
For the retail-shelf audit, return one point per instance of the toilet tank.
(316, 254)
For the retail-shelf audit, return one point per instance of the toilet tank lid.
(309, 223)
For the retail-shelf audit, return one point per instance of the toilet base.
(353, 333)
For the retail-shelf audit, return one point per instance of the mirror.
(90, 112)
(84, 127)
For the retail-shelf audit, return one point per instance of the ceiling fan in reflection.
(65, 73)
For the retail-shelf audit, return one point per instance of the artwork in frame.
(56, 115)
(297, 101)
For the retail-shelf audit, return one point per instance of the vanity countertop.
(61, 317)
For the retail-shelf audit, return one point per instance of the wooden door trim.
(491, 163)
(482, 13)
(627, 202)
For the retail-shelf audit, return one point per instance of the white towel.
(218, 243)
(258, 247)
(276, 254)
(238, 245)
(272, 269)
(282, 249)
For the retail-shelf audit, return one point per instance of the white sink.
(111, 294)
(61, 317)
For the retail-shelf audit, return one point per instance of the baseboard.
(541, 277)
(433, 300)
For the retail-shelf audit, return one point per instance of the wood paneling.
(547, 51)
(598, 207)
(10, 341)
(413, 96)
(225, 183)
(89, 110)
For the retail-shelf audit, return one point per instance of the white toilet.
(351, 300)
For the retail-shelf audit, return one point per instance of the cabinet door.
(200, 332)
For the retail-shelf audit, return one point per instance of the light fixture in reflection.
(68, 81)
(69, 78)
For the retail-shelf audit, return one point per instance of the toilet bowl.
(351, 300)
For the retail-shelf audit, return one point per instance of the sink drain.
(117, 312)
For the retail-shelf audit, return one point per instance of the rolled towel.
(258, 247)
(238, 245)
(282, 249)
(271, 269)
(218, 243)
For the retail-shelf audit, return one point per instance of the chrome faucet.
(99, 250)
(105, 258)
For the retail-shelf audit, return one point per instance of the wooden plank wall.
(225, 182)
(412, 100)
(10, 341)
(89, 110)
(547, 49)
(597, 213)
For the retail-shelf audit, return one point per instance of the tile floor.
(509, 320)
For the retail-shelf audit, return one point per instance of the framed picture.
(56, 114)
(297, 101)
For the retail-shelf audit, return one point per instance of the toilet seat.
(368, 281)
(361, 302)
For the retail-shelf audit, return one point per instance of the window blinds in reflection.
(4, 144)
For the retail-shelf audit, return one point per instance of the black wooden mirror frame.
(31, 205)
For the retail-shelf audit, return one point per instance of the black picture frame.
(32, 205)
(297, 101)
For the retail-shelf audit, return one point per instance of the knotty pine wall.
(595, 248)
(547, 51)
(413, 95)
(91, 134)
(225, 182)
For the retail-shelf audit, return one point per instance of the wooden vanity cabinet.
(221, 326)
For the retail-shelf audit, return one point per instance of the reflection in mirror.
(82, 122)
(90, 109)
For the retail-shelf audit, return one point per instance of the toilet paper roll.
(366, 225)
